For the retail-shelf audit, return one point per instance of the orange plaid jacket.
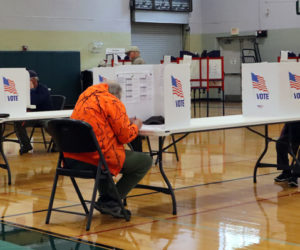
(112, 127)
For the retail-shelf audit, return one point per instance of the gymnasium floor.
(219, 207)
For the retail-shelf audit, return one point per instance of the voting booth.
(14, 91)
(271, 89)
(152, 90)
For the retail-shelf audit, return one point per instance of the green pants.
(135, 167)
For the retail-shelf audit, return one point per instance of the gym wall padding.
(58, 70)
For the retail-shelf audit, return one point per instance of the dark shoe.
(24, 150)
(54, 149)
(293, 181)
(111, 207)
(284, 176)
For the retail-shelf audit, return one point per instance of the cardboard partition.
(137, 83)
(153, 90)
(177, 92)
(271, 89)
(102, 74)
(14, 91)
(215, 68)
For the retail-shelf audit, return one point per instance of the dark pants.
(135, 167)
(22, 136)
(20, 129)
(137, 144)
(282, 147)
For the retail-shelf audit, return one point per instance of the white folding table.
(209, 124)
(27, 116)
(196, 125)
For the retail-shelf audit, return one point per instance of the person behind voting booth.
(40, 97)
(101, 107)
(134, 55)
(282, 149)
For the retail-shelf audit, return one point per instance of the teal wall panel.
(59, 70)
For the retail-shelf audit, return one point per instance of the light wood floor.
(219, 207)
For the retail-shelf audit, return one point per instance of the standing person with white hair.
(101, 107)
(134, 55)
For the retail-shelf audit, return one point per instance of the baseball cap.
(32, 73)
(133, 49)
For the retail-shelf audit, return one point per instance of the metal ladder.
(251, 55)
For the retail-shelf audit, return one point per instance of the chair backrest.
(58, 101)
(73, 136)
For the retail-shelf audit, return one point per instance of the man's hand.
(136, 121)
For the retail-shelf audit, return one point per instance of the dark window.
(162, 5)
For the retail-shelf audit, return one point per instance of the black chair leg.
(79, 195)
(31, 134)
(44, 138)
(51, 199)
(88, 224)
(50, 145)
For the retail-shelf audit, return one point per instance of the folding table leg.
(170, 188)
(258, 163)
(5, 165)
(175, 147)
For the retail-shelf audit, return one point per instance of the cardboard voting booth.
(152, 90)
(14, 91)
(271, 89)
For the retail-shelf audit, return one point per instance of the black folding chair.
(74, 136)
(58, 103)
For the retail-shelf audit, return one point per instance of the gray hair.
(114, 88)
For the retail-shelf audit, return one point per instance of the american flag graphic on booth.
(294, 81)
(258, 82)
(102, 79)
(9, 86)
(177, 87)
